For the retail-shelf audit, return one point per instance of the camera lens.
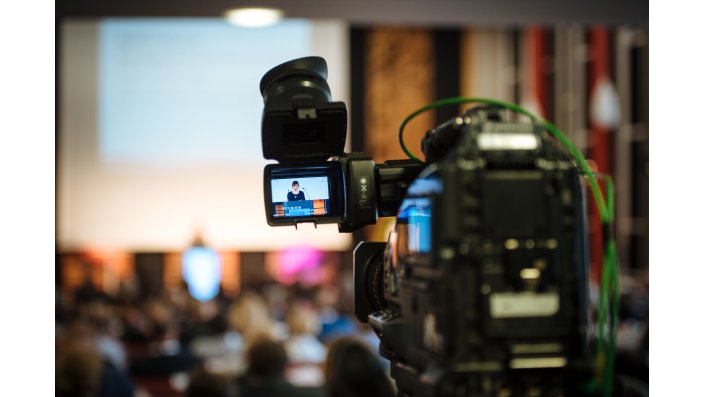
(368, 276)
(302, 80)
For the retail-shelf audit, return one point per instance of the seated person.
(265, 376)
(352, 370)
(306, 353)
(166, 356)
(81, 370)
(205, 384)
(303, 346)
(295, 194)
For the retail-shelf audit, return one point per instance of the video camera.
(481, 289)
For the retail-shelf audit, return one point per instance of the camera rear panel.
(500, 304)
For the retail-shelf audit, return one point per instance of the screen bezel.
(336, 191)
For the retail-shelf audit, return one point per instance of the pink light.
(301, 264)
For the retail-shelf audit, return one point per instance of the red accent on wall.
(537, 37)
(600, 143)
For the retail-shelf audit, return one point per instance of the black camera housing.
(482, 286)
(299, 121)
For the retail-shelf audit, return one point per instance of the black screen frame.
(336, 191)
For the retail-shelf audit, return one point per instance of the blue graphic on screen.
(201, 271)
(176, 92)
(294, 197)
(416, 215)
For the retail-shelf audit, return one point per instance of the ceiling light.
(253, 17)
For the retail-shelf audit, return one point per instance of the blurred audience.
(81, 369)
(165, 355)
(272, 343)
(289, 341)
(223, 352)
(102, 317)
(336, 319)
(147, 344)
(306, 353)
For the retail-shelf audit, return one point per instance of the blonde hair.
(302, 320)
(250, 317)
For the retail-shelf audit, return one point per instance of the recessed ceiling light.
(253, 17)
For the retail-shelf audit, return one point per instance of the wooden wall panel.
(75, 270)
(399, 78)
(230, 282)
(105, 269)
(172, 270)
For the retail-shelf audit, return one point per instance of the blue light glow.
(201, 270)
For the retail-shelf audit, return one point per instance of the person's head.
(162, 319)
(295, 186)
(206, 384)
(78, 333)
(302, 320)
(351, 370)
(266, 359)
(78, 371)
(249, 316)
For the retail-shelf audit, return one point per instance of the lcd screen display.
(297, 197)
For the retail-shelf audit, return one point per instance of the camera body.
(481, 289)
(482, 286)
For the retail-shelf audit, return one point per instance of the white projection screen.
(159, 134)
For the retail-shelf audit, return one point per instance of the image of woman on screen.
(295, 194)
